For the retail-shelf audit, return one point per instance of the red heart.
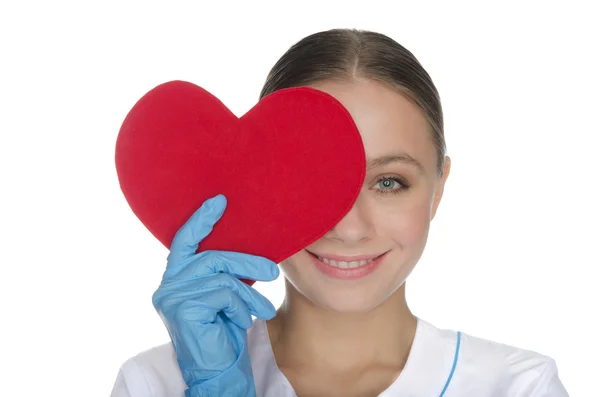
(290, 168)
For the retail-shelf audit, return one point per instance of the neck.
(306, 336)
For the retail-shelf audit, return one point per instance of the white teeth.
(345, 265)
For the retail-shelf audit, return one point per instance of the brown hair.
(343, 54)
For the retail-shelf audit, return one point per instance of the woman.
(345, 328)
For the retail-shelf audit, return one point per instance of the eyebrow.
(395, 158)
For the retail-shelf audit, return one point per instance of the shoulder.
(153, 372)
(500, 369)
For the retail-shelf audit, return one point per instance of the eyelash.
(403, 185)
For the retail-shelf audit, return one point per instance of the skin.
(358, 333)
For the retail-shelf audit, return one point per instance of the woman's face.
(393, 210)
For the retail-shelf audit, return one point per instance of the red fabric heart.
(290, 168)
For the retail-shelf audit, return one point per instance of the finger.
(258, 304)
(203, 309)
(197, 227)
(237, 264)
(168, 297)
(171, 294)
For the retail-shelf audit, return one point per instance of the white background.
(512, 254)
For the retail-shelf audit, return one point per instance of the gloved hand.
(206, 309)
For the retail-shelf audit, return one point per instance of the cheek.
(291, 267)
(286, 266)
(406, 223)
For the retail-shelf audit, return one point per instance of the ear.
(439, 189)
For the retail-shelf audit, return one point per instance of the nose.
(355, 226)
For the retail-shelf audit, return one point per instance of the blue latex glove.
(207, 310)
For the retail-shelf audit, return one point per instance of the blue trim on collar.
(453, 365)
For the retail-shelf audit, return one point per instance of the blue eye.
(388, 182)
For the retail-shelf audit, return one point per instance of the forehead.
(389, 123)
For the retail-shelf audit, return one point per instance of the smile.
(345, 270)
(345, 265)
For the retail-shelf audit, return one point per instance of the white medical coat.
(441, 362)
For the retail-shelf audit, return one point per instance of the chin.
(348, 301)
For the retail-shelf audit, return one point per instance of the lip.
(347, 274)
(347, 258)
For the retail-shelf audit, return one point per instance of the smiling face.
(392, 213)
